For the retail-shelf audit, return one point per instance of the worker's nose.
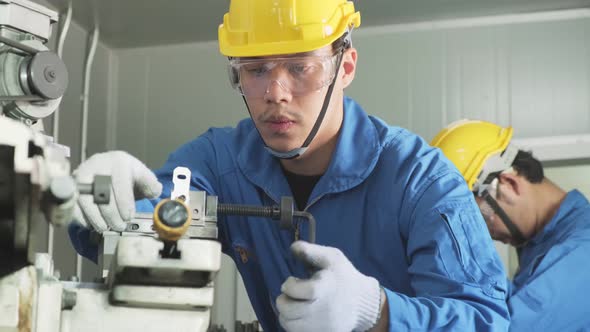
(277, 92)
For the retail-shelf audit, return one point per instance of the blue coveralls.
(551, 291)
(395, 206)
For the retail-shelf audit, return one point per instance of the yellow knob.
(171, 219)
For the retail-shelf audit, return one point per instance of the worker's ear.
(510, 187)
(348, 66)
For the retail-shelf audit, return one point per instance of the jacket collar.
(355, 157)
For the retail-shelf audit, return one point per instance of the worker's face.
(285, 94)
(496, 226)
(511, 202)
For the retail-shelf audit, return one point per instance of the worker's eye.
(297, 68)
(256, 69)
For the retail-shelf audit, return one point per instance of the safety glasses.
(254, 77)
(490, 189)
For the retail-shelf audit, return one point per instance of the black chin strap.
(512, 228)
(318, 121)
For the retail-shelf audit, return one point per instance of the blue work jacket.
(551, 291)
(395, 206)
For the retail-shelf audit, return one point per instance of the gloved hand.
(336, 298)
(131, 180)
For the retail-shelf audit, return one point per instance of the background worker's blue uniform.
(397, 209)
(551, 291)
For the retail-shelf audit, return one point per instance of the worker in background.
(549, 227)
(401, 244)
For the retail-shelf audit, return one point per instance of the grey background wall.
(168, 95)
(529, 73)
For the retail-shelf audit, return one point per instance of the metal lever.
(100, 189)
(19, 46)
(284, 214)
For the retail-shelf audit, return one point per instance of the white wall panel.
(549, 66)
(131, 116)
(533, 76)
(169, 95)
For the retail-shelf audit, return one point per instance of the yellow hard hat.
(470, 144)
(274, 27)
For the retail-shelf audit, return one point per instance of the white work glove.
(131, 180)
(336, 298)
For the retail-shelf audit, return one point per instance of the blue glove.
(337, 297)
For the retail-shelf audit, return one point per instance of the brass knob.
(171, 219)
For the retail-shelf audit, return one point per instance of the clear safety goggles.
(298, 75)
(499, 163)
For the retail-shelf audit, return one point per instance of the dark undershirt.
(301, 187)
